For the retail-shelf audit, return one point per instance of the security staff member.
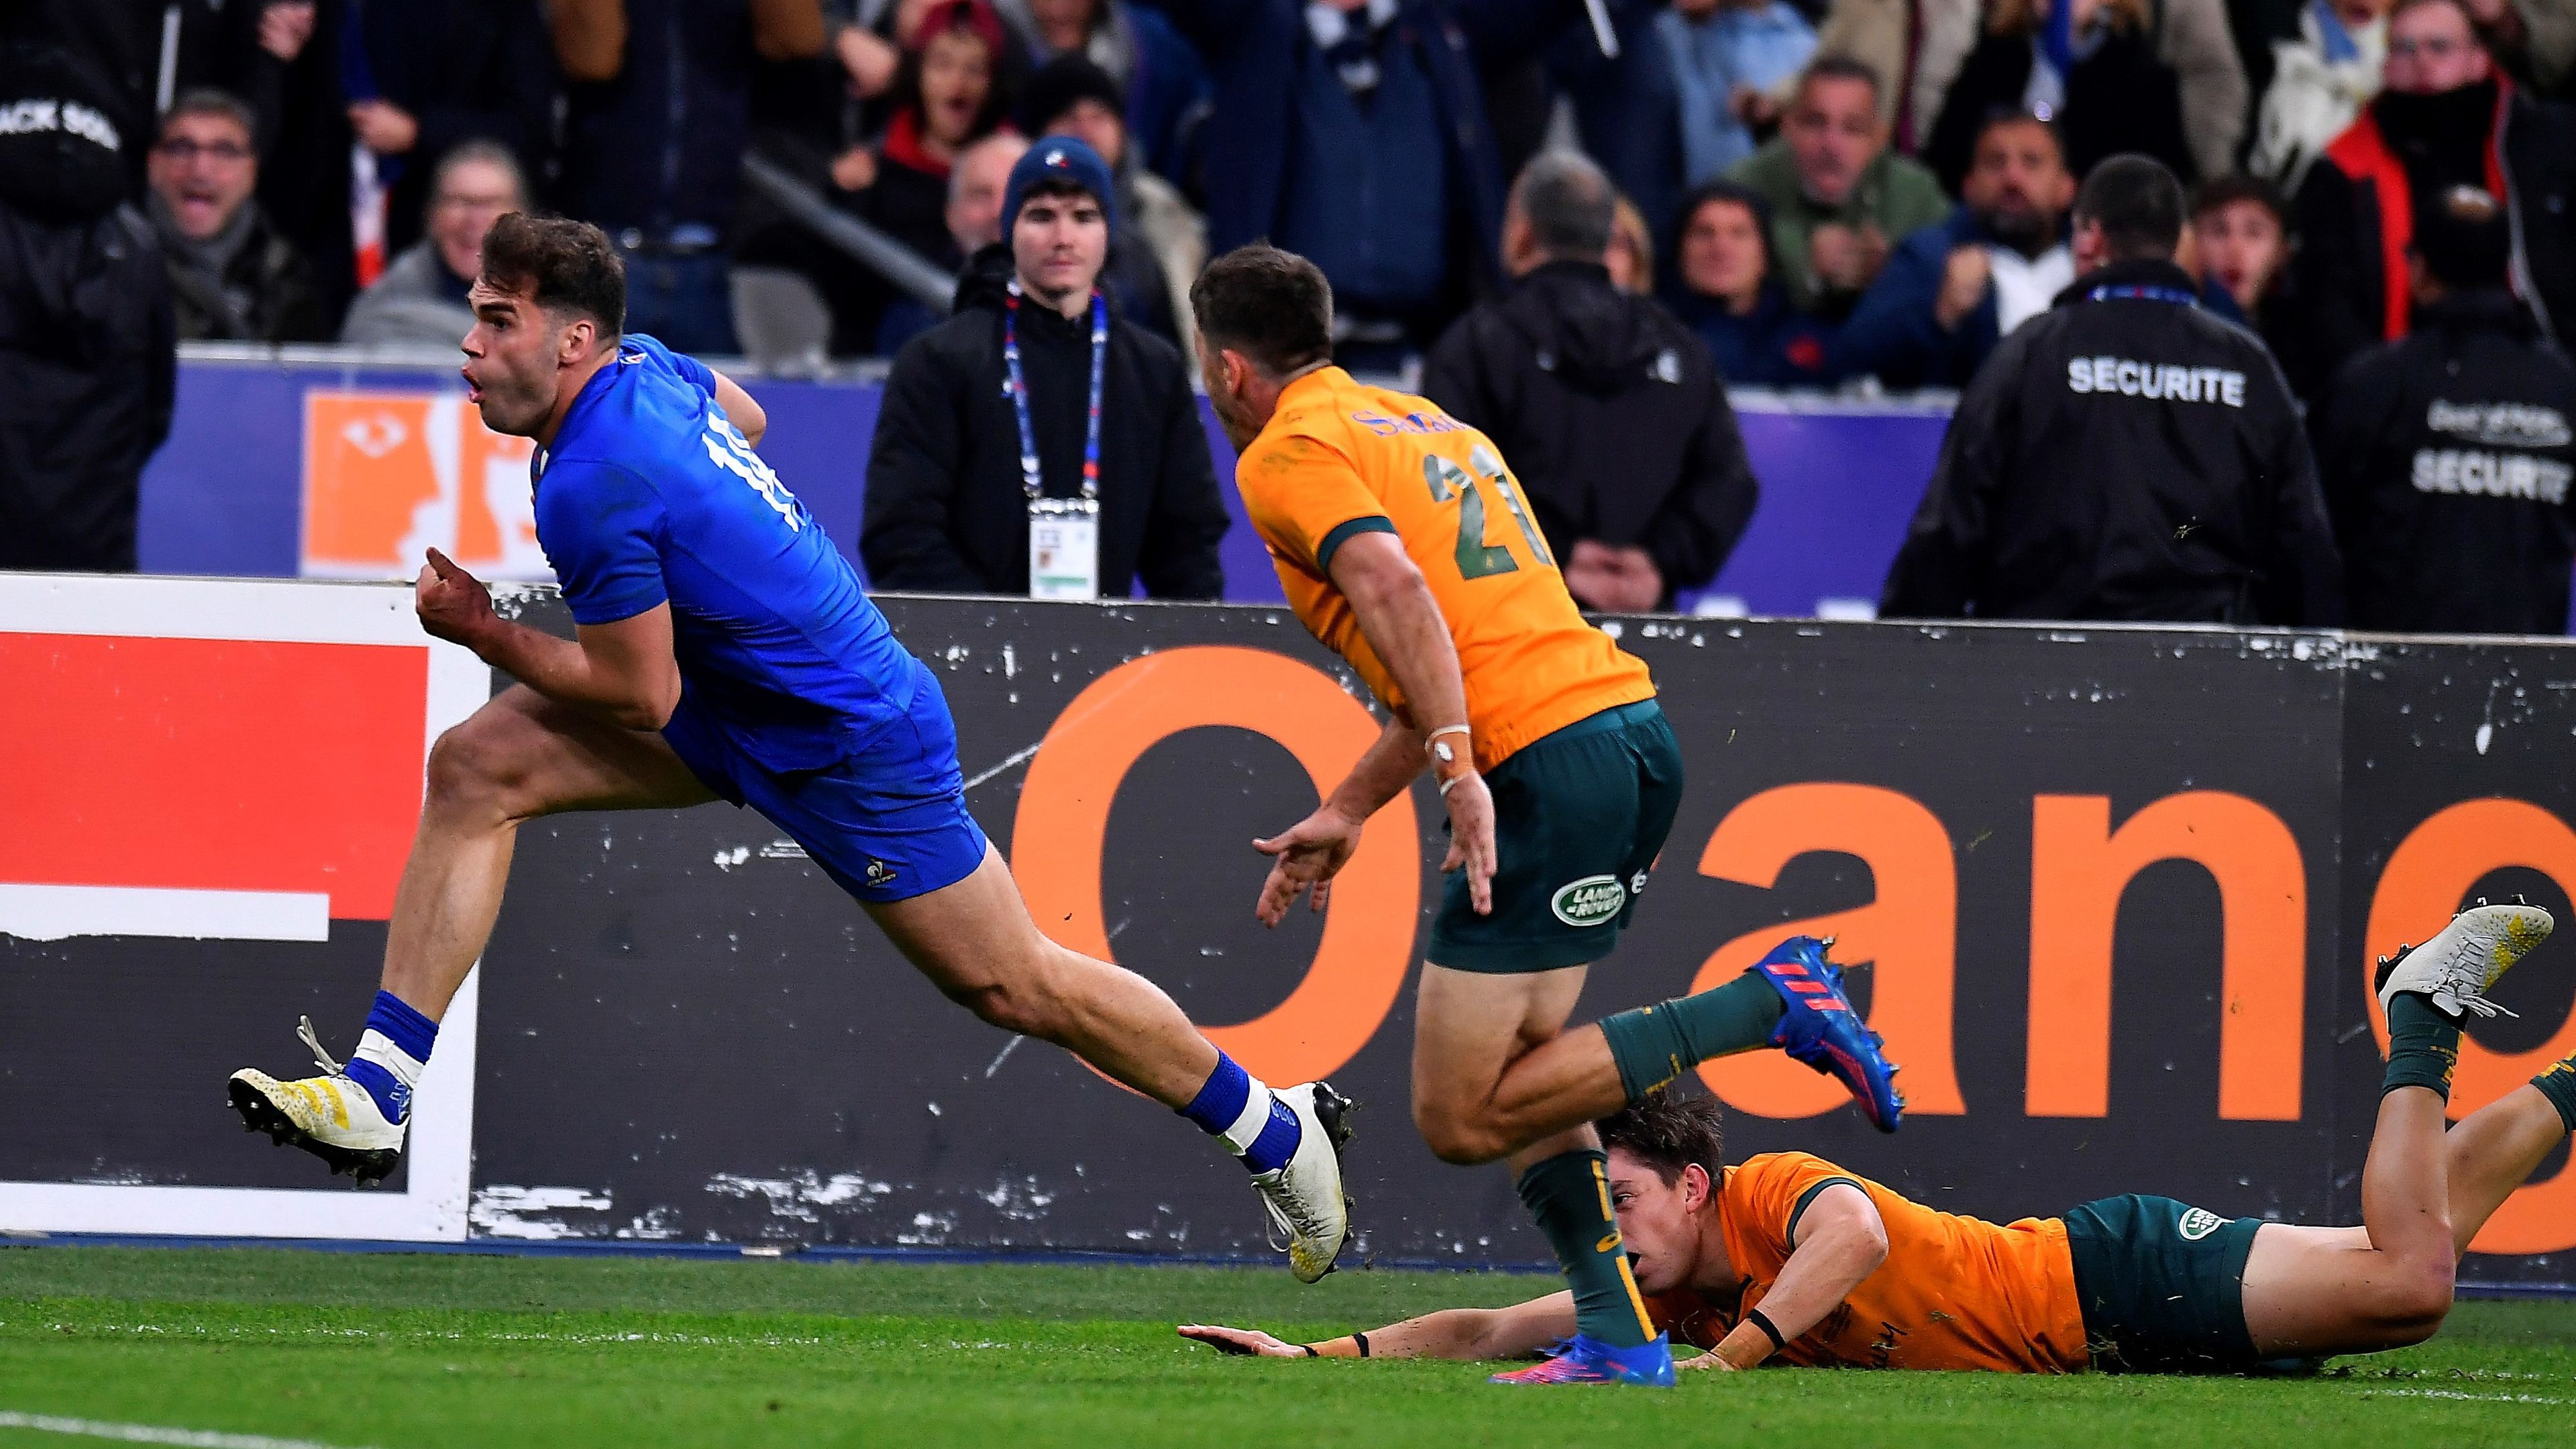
(2124, 455)
(2446, 455)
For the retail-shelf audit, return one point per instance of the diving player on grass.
(1404, 545)
(1788, 1258)
(726, 651)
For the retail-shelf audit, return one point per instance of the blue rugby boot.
(1820, 1028)
(1584, 1359)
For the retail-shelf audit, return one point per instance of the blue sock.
(391, 1053)
(1224, 1109)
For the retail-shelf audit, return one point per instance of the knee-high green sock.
(2558, 1084)
(2423, 1045)
(1654, 1044)
(1569, 1196)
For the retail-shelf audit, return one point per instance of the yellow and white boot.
(1310, 1215)
(2464, 958)
(329, 1116)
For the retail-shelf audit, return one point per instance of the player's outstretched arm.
(624, 671)
(1401, 618)
(748, 417)
(1840, 1240)
(1519, 1331)
(1311, 852)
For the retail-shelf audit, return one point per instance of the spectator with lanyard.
(1034, 443)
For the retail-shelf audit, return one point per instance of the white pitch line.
(149, 1433)
(2470, 1398)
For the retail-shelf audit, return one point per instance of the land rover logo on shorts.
(2198, 1223)
(1591, 901)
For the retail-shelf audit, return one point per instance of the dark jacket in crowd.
(2119, 98)
(463, 69)
(247, 284)
(2123, 457)
(1610, 414)
(115, 50)
(2446, 458)
(2347, 282)
(1774, 345)
(661, 145)
(1259, 54)
(87, 356)
(946, 509)
(1893, 334)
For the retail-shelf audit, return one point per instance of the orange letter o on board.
(2420, 890)
(1063, 824)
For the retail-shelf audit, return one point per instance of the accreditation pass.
(1064, 548)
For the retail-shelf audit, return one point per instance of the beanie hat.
(1063, 83)
(1060, 160)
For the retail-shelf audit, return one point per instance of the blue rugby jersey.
(649, 495)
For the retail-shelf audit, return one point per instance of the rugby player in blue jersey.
(725, 650)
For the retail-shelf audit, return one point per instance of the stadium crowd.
(1804, 193)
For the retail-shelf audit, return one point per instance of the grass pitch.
(624, 1353)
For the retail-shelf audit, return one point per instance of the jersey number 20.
(1476, 558)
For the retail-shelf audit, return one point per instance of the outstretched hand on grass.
(1243, 1342)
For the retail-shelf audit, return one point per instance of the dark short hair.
(2137, 202)
(478, 151)
(1668, 1132)
(2220, 192)
(2002, 116)
(1272, 306)
(2463, 239)
(560, 264)
(1838, 66)
(210, 101)
(1569, 203)
(1717, 191)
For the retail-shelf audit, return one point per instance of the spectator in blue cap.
(1037, 418)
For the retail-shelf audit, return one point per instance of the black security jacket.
(946, 510)
(1610, 413)
(2072, 486)
(2446, 458)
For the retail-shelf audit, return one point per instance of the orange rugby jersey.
(1339, 459)
(1954, 1293)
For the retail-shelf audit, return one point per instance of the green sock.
(2423, 1045)
(2558, 1084)
(1569, 1197)
(1654, 1044)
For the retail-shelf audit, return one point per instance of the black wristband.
(1762, 1321)
(1362, 1340)
(1310, 1350)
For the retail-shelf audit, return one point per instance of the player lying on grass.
(1404, 544)
(1788, 1258)
(725, 651)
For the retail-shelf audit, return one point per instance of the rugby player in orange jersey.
(1404, 544)
(1787, 1258)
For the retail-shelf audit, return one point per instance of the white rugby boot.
(329, 1116)
(2464, 958)
(1310, 1215)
